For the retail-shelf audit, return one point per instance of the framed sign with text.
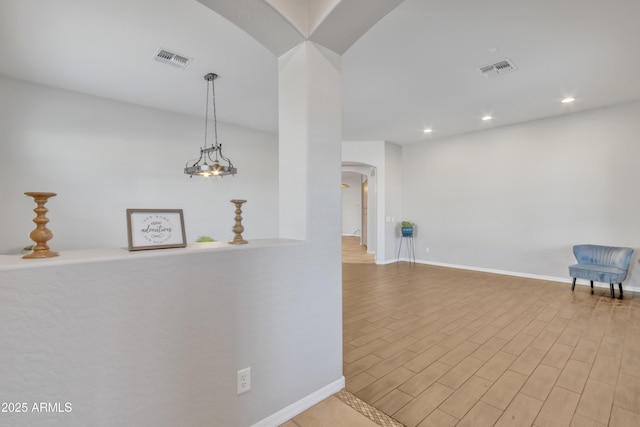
(155, 229)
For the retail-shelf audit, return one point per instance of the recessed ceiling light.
(487, 118)
(428, 131)
(568, 100)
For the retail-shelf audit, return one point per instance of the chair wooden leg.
(613, 295)
(573, 286)
(620, 286)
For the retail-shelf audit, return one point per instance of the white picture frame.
(155, 229)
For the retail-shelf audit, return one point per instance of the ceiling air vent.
(497, 68)
(171, 58)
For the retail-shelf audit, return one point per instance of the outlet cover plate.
(244, 380)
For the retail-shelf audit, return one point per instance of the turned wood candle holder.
(238, 228)
(41, 235)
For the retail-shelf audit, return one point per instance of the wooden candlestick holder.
(238, 228)
(41, 235)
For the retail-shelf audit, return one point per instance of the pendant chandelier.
(220, 165)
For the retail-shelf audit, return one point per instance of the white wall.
(155, 338)
(393, 198)
(103, 156)
(517, 198)
(352, 204)
(309, 139)
(157, 341)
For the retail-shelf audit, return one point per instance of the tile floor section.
(435, 346)
(342, 410)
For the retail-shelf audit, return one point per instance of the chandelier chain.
(206, 117)
(215, 118)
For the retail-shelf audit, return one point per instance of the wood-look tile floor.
(436, 346)
(331, 412)
(343, 409)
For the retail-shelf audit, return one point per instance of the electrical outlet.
(427, 250)
(244, 380)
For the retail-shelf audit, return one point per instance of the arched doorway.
(359, 204)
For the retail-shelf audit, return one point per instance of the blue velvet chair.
(606, 264)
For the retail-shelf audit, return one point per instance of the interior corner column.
(309, 143)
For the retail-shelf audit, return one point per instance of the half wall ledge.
(82, 256)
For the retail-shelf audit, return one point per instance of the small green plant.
(406, 224)
(202, 239)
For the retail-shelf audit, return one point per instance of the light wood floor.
(331, 412)
(435, 346)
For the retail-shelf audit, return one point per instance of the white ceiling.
(416, 68)
(106, 48)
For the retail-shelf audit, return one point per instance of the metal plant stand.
(407, 241)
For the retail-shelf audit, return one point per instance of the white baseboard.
(516, 274)
(301, 405)
(393, 261)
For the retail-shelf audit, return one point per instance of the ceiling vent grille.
(498, 68)
(171, 58)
